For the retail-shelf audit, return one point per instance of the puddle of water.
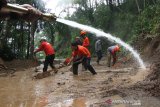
(79, 102)
(140, 76)
(114, 98)
(80, 91)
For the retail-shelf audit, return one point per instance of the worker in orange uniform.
(50, 54)
(79, 40)
(84, 57)
(86, 42)
(112, 50)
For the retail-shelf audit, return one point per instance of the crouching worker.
(50, 54)
(84, 58)
(112, 51)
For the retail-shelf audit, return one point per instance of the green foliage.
(7, 54)
(124, 21)
(148, 21)
(64, 53)
(16, 33)
(102, 15)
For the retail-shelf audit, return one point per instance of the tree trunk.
(111, 5)
(107, 2)
(96, 4)
(118, 2)
(33, 29)
(22, 40)
(138, 6)
(52, 33)
(28, 44)
(14, 43)
(5, 32)
(154, 2)
(90, 15)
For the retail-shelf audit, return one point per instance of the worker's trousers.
(99, 56)
(48, 61)
(110, 57)
(86, 63)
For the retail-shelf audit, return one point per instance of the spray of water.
(109, 36)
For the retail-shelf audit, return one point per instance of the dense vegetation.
(126, 19)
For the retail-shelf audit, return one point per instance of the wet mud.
(111, 87)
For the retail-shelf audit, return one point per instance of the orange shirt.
(81, 51)
(47, 48)
(86, 42)
(114, 49)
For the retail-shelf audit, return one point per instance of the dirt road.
(111, 87)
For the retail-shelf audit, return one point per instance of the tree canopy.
(126, 19)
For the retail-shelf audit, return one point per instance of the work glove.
(69, 64)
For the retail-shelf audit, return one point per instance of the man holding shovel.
(112, 54)
(50, 55)
(84, 57)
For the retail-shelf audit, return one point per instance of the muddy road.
(111, 87)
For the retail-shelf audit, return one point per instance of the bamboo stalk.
(15, 8)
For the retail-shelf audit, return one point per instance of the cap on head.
(43, 39)
(83, 32)
(77, 37)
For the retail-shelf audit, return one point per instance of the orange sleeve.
(86, 42)
(40, 48)
(73, 54)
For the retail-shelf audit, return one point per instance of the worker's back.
(114, 48)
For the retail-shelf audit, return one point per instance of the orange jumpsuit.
(86, 42)
(85, 57)
(50, 54)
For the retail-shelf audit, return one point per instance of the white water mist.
(109, 36)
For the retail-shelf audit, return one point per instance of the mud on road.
(111, 87)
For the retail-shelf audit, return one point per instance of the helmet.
(83, 32)
(77, 37)
(43, 39)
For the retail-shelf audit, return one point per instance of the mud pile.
(21, 64)
(152, 82)
(150, 48)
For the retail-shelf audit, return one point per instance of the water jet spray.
(107, 35)
(52, 17)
